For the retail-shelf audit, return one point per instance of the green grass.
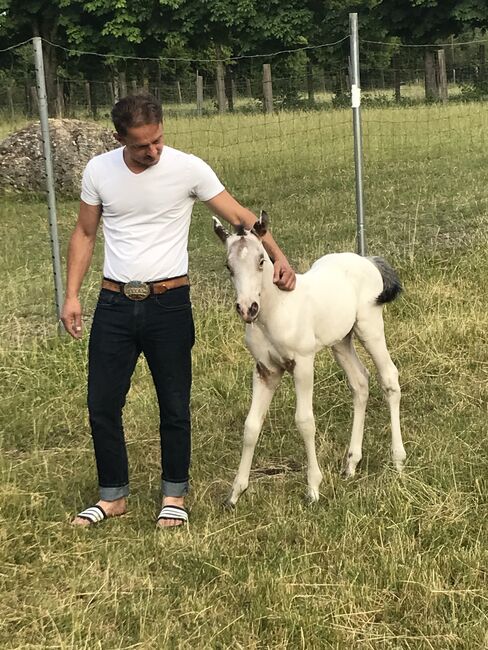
(381, 562)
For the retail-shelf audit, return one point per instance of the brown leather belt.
(136, 290)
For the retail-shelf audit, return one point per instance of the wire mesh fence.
(283, 133)
(87, 84)
(417, 101)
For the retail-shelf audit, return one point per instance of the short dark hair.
(136, 110)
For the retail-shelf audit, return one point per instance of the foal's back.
(335, 288)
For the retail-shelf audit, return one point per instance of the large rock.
(73, 143)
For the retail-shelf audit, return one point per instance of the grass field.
(381, 562)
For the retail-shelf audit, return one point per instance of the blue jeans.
(161, 327)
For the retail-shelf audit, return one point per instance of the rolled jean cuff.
(113, 493)
(172, 489)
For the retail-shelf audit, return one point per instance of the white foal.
(341, 295)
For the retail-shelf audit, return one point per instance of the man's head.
(138, 123)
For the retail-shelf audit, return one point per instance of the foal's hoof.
(348, 472)
(349, 467)
(229, 504)
(312, 497)
(399, 465)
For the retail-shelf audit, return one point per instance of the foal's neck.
(270, 294)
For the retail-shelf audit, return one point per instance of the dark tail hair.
(392, 286)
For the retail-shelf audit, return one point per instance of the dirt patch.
(284, 466)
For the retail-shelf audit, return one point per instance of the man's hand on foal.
(284, 275)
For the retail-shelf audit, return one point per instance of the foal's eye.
(261, 263)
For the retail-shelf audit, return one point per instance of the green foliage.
(475, 91)
(427, 21)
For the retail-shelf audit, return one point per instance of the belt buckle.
(136, 290)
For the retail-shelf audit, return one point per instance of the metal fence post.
(356, 118)
(51, 195)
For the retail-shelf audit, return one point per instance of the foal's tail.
(391, 282)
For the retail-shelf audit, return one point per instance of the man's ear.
(220, 231)
(118, 137)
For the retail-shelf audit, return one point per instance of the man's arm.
(225, 206)
(80, 252)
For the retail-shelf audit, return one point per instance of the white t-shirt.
(146, 217)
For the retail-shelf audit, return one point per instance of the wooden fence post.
(88, 97)
(28, 99)
(220, 85)
(10, 101)
(310, 86)
(229, 88)
(116, 87)
(178, 93)
(34, 103)
(442, 75)
(145, 78)
(396, 78)
(199, 95)
(267, 88)
(59, 99)
(322, 82)
(122, 83)
(431, 88)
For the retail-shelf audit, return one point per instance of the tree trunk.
(482, 56)
(46, 27)
(50, 72)
(431, 89)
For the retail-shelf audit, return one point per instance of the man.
(145, 193)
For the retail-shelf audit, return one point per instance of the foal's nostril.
(253, 309)
(238, 307)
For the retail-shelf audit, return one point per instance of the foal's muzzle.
(248, 315)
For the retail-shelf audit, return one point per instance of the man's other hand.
(71, 317)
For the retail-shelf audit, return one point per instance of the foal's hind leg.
(371, 332)
(264, 384)
(358, 377)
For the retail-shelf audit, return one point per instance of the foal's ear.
(261, 225)
(220, 231)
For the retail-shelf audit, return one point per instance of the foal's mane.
(241, 231)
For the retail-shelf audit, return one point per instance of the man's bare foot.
(111, 509)
(172, 501)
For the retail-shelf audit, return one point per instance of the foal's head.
(246, 261)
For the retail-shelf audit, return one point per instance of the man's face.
(143, 144)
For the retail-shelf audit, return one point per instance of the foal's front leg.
(305, 421)
(264, 383)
